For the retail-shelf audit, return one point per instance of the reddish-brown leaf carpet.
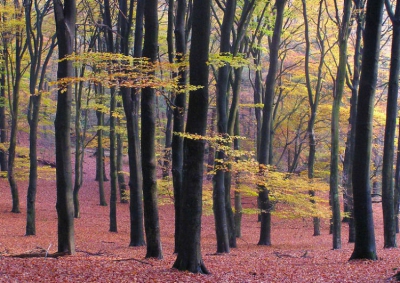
(295, 256)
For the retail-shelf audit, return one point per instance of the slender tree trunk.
(151, 221)
(219, 188)
(65, 17)
(189, 253)
(130, 98)
(100, 176)
(337, 99)
(179, 116)
(113, 164)
(120, 173)
(36, 74)
(3, 130)
(113, 120)
(263, 154)
(349, 154)
(364, 247)
(18, 72)
(388, 205)
(313, 99)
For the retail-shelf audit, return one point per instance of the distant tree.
(189, 253)
(65, 18)
(365, 247)
(314, 95)
(16, 77)
(108, 34)
(388, 204)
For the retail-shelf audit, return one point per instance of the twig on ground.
(135, 259)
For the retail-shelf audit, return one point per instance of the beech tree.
(219, 206)
(179, 113)
(364, 247)
(151, 221)
(344, 30)
(16, 77)
(388, 203)
(130, 99)
(65, 18)
(37, 48)
(189, 253)
(263, 153)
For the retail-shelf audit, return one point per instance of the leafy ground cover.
(295, 256)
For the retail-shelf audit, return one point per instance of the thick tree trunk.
(151, 221)
(189, 253)
(65, 17)
(364, 247)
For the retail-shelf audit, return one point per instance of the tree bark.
(18, 72)
(151, 219)
(37, 74)
(364, 247)
(219, 197)
(189, 253)
(388, 205)
(130, 98)
(344, 31)
(263, 154)
(179, 116)
(65, 17)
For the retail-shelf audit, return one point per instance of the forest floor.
(295, 255)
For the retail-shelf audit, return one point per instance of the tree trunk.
(219, 186)
(189, 253)
(388, 205)
(100, 174)
(179, 117)
(113, 121)
(313, 99)
(120, 173)
(337, 99)
(17, 76)
(65, 17)
(3, 130)
(263, 154)
(37, 75)
(349, 153)
(113, 164)
(364, 247)
(130, 99)
(151, 221)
